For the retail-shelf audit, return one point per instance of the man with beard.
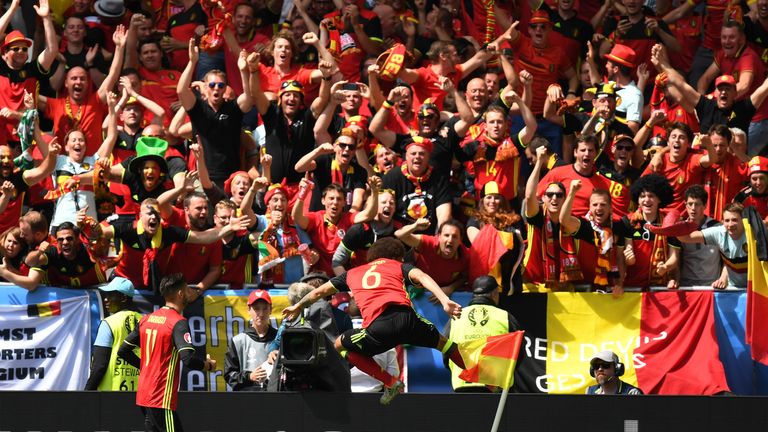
(146, 243)
(327, 227)
(352, 250)
(583, 168)
(21, 180)
(723, 108)
(163, 338)
(216, 121)
(199, 263)
(443, 254)
(601, 240)
(445, 141)
(241, 36)
(289, 123)
(756, 194)
(16, 74)
(81, 109)
(332, 163)
(606, 368)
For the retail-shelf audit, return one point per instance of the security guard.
(482, 318)
(108, 371)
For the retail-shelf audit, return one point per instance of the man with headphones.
(606, 369)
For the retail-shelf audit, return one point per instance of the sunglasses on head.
(220, 85)
(19, 49)
(599, 365)
(554, 194)
(287, 84)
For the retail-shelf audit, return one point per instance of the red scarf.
(658, 251)
(504, 151)
(559, 255)
(415, 180)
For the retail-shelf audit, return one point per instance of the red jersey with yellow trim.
(13, 84)
(88, 117)
(326, 236)
(160, 87)
(681, 175)
(425, 86)
(135, 243)
(444, 271)
(182, 27)
(724, 181)
(547, 65)
(565, 174)
(376, 286)
(162, 334)
(344, 44)
(271, 79)
(488, 166)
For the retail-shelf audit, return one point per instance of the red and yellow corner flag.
(757, 286)
(492, 360)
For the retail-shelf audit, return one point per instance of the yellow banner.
(581, 325)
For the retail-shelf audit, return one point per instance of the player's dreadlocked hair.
(656, 184)
(388, 247)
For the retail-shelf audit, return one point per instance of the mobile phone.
(624, 18)
(350, 86)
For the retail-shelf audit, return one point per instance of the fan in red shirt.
(546, 62)
(80, 110)
(240, 36)
(388, 316)
(17, 75)
(756, 194)
(444, 254)
(444, 61)
(679, 165)
(353, 34)
(163, 338)
(326, 228)
(583, 168)
(728, 173)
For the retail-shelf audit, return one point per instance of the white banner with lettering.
(45, 346)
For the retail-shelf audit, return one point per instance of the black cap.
(315, 275)
(484, 285)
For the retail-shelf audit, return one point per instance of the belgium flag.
(46, 309)
(757, 285)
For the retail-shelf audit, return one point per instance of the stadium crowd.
(602, 144)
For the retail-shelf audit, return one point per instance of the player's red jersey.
(159, 373)
(376, 286)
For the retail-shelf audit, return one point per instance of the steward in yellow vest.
(482, 318)
(108, 371)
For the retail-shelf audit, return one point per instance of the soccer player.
(164, 338)
(388, 316)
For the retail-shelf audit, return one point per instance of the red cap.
(259, 295)
(228, 182)
(758, 164)
(16, 37)
(725, 79)
(622, 55)
(425, 143)
(273, 189)
(540, 17)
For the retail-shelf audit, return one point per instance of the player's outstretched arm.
(450, 307)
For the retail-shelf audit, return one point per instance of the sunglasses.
(602, 365)
(625, 148)
(213, 85)
(63, 239)
(554, 194)
(347, 145)
(538, 26)
(19, 49)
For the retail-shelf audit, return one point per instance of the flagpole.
(500, 409)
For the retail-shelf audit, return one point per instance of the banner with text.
(45, 346)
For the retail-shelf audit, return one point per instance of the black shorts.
(161, 420)
(397, 325)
